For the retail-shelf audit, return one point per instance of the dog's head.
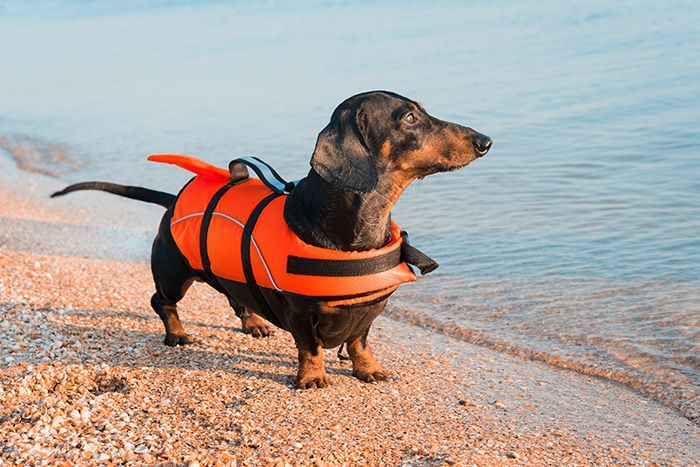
(380, 133)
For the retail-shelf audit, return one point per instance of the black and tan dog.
(375, 145)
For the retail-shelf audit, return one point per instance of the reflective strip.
(239, 223)
(197, 214)
(274, 172)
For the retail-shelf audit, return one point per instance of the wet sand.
(85, 378)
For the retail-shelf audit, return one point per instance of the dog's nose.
(482, 144)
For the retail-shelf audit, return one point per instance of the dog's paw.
(312, 380)
(173, 340)
(371, 376)
(256, 326)
(258, 331)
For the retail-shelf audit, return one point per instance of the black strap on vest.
(343, 267)
(204, 231)
(246, 240)
(362, 267)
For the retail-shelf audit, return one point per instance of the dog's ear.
(341, 156)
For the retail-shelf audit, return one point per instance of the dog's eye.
(409, 117)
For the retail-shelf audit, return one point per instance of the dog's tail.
(134, 192)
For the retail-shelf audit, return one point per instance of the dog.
(374, 146)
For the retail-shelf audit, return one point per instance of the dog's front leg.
(312, 370)
(365, 366)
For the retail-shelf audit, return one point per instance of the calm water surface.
(574, 241)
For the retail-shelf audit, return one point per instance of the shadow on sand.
(109, 340)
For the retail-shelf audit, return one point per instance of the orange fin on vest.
(192, 164)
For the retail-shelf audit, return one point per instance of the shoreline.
(79, 337)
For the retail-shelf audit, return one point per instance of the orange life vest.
(277, 258)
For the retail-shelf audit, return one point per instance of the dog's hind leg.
(172, 277)
(164, 302)
(251, 323)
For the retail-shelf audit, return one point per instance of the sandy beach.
(85, 378)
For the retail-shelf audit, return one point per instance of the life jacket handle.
(265, 173)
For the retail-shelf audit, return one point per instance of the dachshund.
(374, 146)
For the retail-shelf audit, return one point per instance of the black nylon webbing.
(246, 240)
(362, 267)
(343, 267)
(204, 231)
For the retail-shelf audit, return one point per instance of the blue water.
(577, 236)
